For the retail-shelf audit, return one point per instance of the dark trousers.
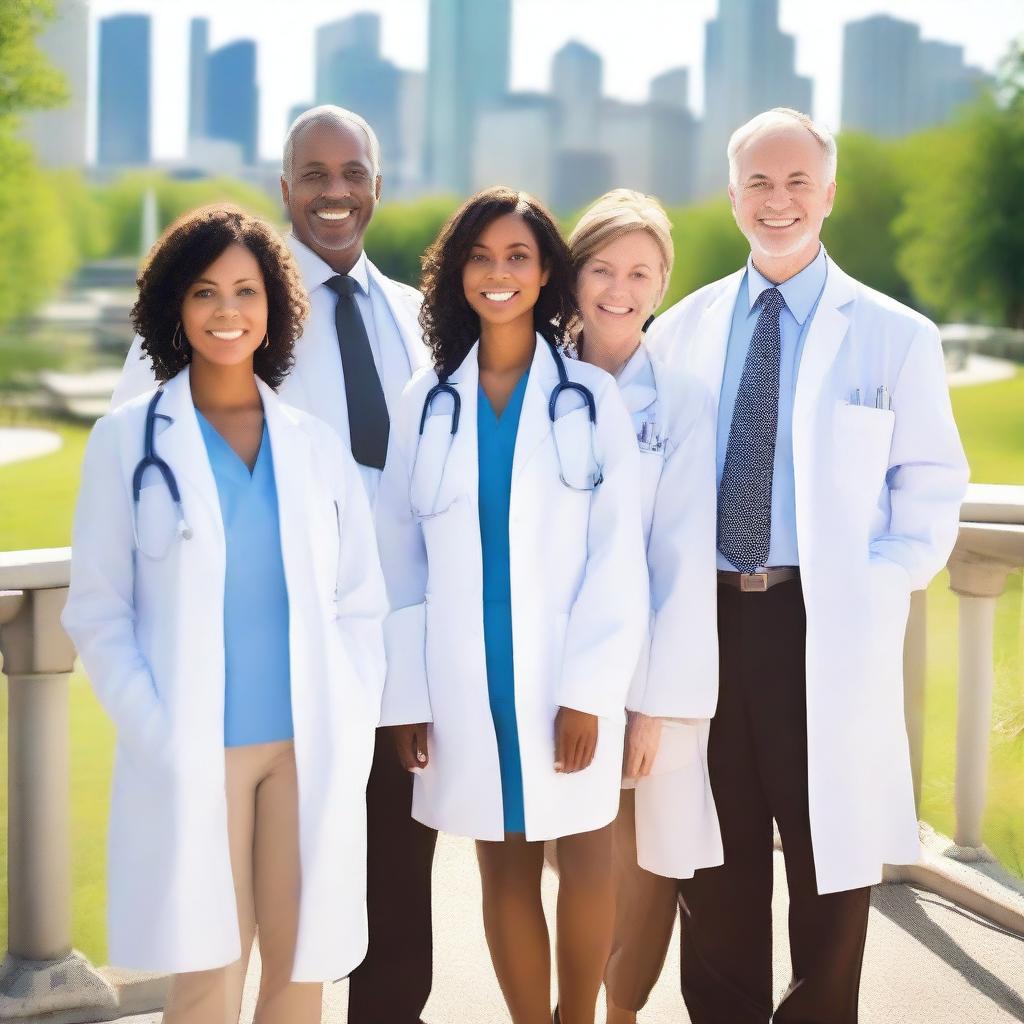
(392, 984)
(757, 756)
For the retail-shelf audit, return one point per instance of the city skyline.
(818, 35)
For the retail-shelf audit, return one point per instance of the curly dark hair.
(450, 325)
(183, 252)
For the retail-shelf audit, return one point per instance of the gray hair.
(780, 117)
(330, 113)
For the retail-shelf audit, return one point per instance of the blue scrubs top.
(496, 443)
(257, 668)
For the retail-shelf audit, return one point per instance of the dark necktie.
(368, 421)
(745, 493)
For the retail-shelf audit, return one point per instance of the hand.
(411, 746)
(575, 740)
(643, 736)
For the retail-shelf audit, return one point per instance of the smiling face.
(618, 288)
(224, 312)
(332, 191)
(504, 273)
(782, 195)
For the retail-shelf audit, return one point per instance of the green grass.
(36, 507)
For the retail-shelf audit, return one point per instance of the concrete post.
(915, 665)
(978, 584)
(41, 974)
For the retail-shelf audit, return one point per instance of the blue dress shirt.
(257, 667)
(801, 294)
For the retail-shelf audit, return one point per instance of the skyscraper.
(577, 74)
(198, 53)
(58, 136)
(351, 73)
(468, 70)
(515, 145)
(895, 83)
(232, 97)
(749, 66)
(124, 74)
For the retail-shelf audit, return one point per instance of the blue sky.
(638, 39)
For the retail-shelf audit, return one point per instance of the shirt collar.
(636, 381)
(315, 271)
(800, 292)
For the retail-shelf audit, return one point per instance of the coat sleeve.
(927, 475)
(610, 616)
(403, 557)
(100, 612)
(136, 377)
(680, 676)
(361, 599)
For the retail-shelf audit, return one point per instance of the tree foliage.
(36, 247)
(400, 233)
(962, 227)
(708, 246)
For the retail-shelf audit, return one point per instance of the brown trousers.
(392, 985)
(757, 757)
(263, 837)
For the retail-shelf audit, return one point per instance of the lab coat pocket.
(679, 747)
(862, 440)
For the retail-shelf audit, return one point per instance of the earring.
(266, 340)
(176, 342)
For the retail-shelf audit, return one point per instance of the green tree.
(708, 246)
(962, 229)
(871, 183)
(36, 246)
(122, 200)
(400, 233)
(27, 82)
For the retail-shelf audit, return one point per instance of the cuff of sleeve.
(406, 700)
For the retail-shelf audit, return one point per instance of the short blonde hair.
(618, 213)
(780, 117)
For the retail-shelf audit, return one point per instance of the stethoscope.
(589, 481)
(151, 459)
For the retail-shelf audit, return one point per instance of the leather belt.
(759, 582)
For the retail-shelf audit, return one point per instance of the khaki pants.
(263, 835)
(645, 912)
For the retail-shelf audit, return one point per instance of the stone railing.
(42, 975)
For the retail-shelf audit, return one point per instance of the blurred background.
(117, 116)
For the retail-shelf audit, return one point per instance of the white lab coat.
(579, 602)
(677, 676)
(315, 383)
(878, 494)
(151, 637)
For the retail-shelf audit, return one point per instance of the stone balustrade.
(43, 977)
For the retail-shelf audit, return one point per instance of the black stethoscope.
(151, 459)
(589, 481)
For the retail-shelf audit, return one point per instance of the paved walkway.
(927, 961)
(17, 443)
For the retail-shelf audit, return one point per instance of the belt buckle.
(754, 582)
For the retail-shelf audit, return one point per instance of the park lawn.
(36, 506)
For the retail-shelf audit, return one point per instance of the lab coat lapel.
(402, 309)
(711, 341)
(534, 419)
(462, 468)
(180, 444)
(824, 337)
(290, 446)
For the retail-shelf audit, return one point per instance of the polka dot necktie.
(745, 493)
